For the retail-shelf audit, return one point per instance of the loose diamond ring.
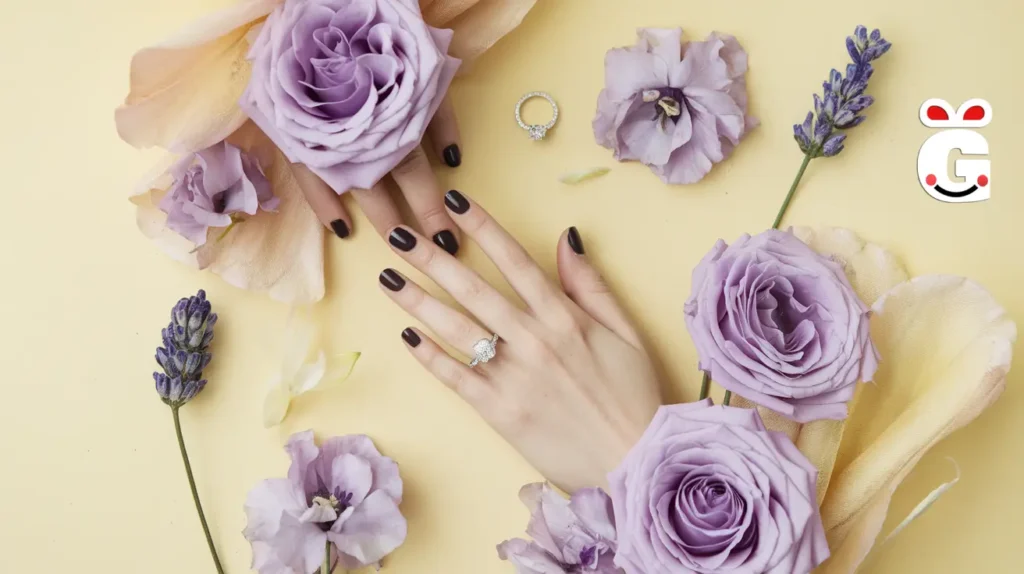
(537, 132)
(485, 351)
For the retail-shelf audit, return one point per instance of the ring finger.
(455, 329)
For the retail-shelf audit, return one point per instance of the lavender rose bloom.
(347, 87)
(677, 108)
(709, 490)
(574, 536)
(780, 325)
(213, 188)
(344, 492)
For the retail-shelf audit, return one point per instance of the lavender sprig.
(839, 108)
(183, 356)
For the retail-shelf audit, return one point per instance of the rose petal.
(947, 345)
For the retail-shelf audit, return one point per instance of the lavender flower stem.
(792, 190)
(195, 493)
(705, 386)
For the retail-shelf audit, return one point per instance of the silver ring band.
(485, 350)
(537, 132)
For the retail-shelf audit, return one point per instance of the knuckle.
(415, 161)
(433, 216)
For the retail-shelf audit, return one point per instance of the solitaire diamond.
(537, 132)
(484, 349)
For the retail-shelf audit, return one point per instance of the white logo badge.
(932, 160)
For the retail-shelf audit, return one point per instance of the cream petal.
(479, 27)
(946, 347)
(184, 92)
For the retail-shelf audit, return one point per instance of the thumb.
(588, 289)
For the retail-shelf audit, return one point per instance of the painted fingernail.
(391, 279)
(402, 239)
(456, 202)
(340, 228)
(453, 155)
(446, 240)
(411, 338)
(575, 241)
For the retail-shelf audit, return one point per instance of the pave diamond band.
(485, 350)
(536, 131)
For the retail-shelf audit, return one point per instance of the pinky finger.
(455, 374)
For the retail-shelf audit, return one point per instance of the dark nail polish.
(392, 280)
(446, 240)
(456, 202)
(340, 228)
(402, 239)
(575, 241)
(411, 337)
(452, 155)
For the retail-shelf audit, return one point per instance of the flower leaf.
(575, 177)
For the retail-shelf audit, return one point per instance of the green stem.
(195, 493)
(792, 190)
(705, 386)
(326, 569)
(726, 398)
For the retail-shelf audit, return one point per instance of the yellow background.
(91, 477)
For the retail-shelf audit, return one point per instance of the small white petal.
(275, 406)
(583, 175)
(309, 376)
(924, 504)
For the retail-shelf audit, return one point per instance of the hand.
(414, 177)
(571, 386)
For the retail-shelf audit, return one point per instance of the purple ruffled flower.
(574, 536)
(780, 325)
(678, 108)
(186, 350)
(343, 492)
(347, 87)
(215, 187)
(843, 98)
(710, 490)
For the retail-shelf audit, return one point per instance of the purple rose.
(344, 492)
(677, 108)
(347, 87)
(780, 325)
(572, 536)
(211, 188)
(709, 490)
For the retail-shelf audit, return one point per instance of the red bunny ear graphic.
(936, 113)
(974, 114)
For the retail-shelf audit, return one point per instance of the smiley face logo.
(957, 134)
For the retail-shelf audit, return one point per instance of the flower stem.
(705, 386)
(195, 494)
(326, 568)
(727, 398)
(792, 190)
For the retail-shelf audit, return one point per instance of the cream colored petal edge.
(482, 25)
(184, 92)
(946, 346)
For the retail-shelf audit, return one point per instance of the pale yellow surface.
(92, 481)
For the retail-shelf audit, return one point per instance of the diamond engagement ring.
(537, 132)
(485, 351)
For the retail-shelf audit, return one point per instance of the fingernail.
(411, 337)
(446, 240)
(340, 228)
(402, 239)
(392, 280)
(453, 155)
(575, 241)
(456, 202)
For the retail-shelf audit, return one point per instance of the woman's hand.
(571, 386)
(414, 177)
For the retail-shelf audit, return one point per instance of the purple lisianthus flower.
(215, 187)
(344, 492)
(347, 87)
(709, 490)
(780, 325)
(574, 536)
(678, 108)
